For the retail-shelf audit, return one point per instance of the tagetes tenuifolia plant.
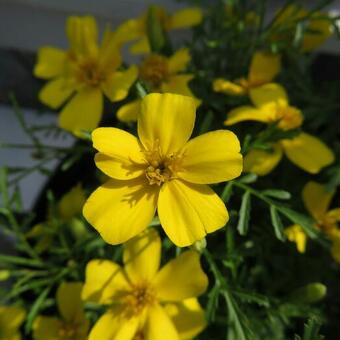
(11, 319)
(162, 170)
(142, 299)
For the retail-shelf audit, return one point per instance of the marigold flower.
(11, 318)
(145, 302)
(162, 170)
(271, 105)
(264, 67)
(161, 74)
(136, 29)
(83, 73)
(72, 324)
(317, 201)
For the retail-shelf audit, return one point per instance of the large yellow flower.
(264, 67)
(162, 170)
(161, 74)
(136, 29)
(82, 74)
(271, 105)
(145, 302)
(72, 324)
(317, 201)
(11, 318)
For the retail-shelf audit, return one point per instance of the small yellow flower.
(162, 170)
(264, 67)
(83, 73)
(72, 323)
(317, 201)
(296, 234)
(161, 74)
(144, 301)
(11, 318)
(271, 105)
(136, 29)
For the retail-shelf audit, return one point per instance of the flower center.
(89, 73)
(154, 70)
(139, 336)
(289, 117)
(68, 330)
(327, 224)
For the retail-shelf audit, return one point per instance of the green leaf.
(17, 260)
(244, 213)
(312, 328)
(227, 192)
(251, 297)
(3, 186)
(280, 194)
(155, 31)
(249, 178)
(277, 224)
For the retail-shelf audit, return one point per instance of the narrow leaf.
(277, 224)
(244, 213)
(280, 194)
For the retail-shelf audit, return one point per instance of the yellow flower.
(263, 69)
(296, 234)
(271, 105)
(161, 74)
(162, 170)
(72, 323)
(11, 318)
(82, 74)
(143, 301)
(317, 201)
(317, 30)
(136, 29)
(69, 206)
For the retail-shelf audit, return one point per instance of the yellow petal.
(69, 301)
(166, 121)
(50, 63)
(227, 87)
(179, 60)
(316, 199)
(211, 158)
(189, 211)
(109, 57)
(104, 282)
(245, 113)
(142, 256)
(188, 317)
(141, 46)
(159, 325)
(119, 210)
(264, 67)
(129, 30)
(334, 214)
(269, 95)
(71, 203)
(308, 152)
(129, 112)
(111, 325)
(120, 155)
(334, 236)
(181, 278)
(187, 17)
(45, 327)
(55, 92)
(296, 234)
(11, 318)
(83, 111)
(321, 30)
(118, 84)
(261, 162)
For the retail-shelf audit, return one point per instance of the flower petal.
(11, 319)
(55, 92)
(119, 210)
(261, 162)
(316, 199)
(188, 317)
(104, 282)
(227, 87)
(69, 301)
(166, 121)
(187, 17)
(245, 113)
(268, 95)
(189, 211)
(111, 325)
(129, 112)
(334, 214)
(264, 67)
(142, 256)
(71, 203)
(181, 278)
(296, 234)
(141, 46)
(83, 111)
(118, 84)
(50, 63)
(45, 327)
(308, 152)
(120, 155)
(179, 60)
(211, 158)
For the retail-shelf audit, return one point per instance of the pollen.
(89, 73)
(68, 331)
(154, 70)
